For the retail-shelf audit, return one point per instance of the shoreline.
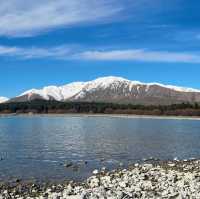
(162, 179)
(106, 115)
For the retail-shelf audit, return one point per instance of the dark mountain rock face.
(25, 98)
(148, 95)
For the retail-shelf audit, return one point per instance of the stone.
(95, 172)
(68, 164)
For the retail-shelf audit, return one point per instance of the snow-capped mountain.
(3, 99)
(56, 93)
(114, 89)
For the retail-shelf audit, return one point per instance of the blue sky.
(55, 42)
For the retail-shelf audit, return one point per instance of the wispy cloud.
(58, 52)
(140, 55)
(24, 18)
(28, 18)
(76, 53)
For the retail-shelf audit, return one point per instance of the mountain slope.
(114, 89)
(61, 93)
(3, 99)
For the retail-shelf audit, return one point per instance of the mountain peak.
(111, 79)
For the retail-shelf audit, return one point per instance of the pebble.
(171, 164)
(163, 180)
(95, 172)
(68, 164)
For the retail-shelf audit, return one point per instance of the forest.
(55, 107)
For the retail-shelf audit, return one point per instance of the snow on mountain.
(58, 93)
(3, 99)
(105, 82)
(77, 88)
(113, 89)
(71, 89)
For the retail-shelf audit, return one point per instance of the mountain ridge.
(114, 89)
(3, 99)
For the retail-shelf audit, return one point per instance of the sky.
(52, 42)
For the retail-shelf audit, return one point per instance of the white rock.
(95, 172)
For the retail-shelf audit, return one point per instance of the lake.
(36, 147)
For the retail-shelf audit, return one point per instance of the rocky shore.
(170, 179)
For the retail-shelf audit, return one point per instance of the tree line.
(42, 107)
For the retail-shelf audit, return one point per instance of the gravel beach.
(170, 179)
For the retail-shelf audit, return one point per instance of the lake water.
(38, 146)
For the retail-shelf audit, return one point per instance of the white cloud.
(140, 55)
(76, 53)
(24, 18)
(59, 52)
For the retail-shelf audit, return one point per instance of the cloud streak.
(65, 52)
(22, 18)
(140, 55)
(58, 52)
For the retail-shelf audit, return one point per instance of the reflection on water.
(37, 146)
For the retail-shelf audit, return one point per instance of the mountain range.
(112, 89)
